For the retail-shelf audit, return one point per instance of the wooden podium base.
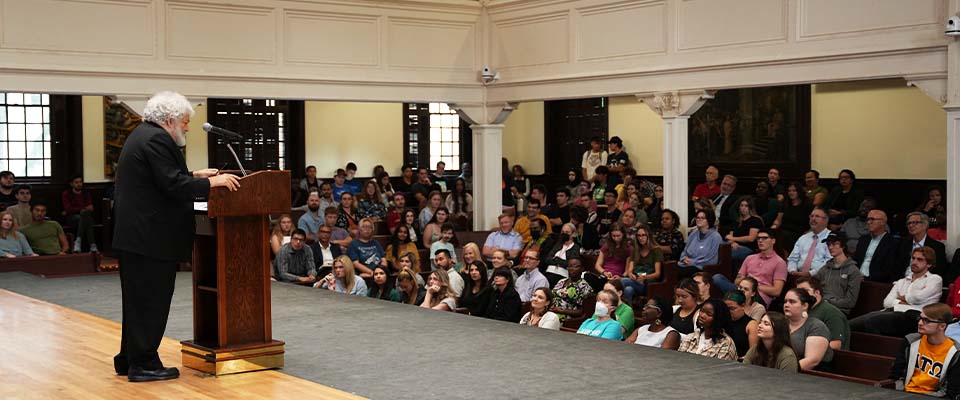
(233, 360)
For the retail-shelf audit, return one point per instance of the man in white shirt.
(801, 262)
(906, 299)
(593, 158)
(444, 261)
(531, 278)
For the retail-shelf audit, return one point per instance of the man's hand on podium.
(228, 181)
(205, 173)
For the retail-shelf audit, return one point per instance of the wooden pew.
(664, 288)
(589, 307)
(68, 264)
(870, 298)
(867, 369)
(887, 346)
(724, 262)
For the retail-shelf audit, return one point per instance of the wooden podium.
(231, 278)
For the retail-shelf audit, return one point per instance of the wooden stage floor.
(55, 352)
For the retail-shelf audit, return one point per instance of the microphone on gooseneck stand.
(226, 135)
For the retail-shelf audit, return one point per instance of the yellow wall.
(523, 137)
(878, 129)
(365, 133)
(642, 132)
(93, 158)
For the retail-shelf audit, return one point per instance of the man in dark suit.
(878, 251)
(154, 229)
(917, 225)
(725, 205)
(325, 251)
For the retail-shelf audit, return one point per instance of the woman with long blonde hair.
(344, 278)
(439, 294)
(281, 232)
(12, 243)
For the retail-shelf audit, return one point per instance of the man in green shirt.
(831, 316)
(45, 237)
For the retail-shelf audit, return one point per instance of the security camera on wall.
(488, 75)
(953, 26)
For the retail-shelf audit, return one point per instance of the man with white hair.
(154, 229)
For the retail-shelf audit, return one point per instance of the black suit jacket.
(318, 253)
(906, 249)
(154, 197)
(885, 265)
(725, 215)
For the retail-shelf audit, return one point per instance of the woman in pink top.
(612, 261)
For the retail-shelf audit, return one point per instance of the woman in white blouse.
(540, 314)
(656, 333)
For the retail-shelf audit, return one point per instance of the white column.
(953, 179)
(487, 194)
(675, 167)
(675, 108)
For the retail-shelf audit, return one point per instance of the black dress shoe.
(137, 374)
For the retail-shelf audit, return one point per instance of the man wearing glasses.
(917, 225)
(809, 254)
(906, 299)
(766, 267)
(531, 278)
(877, 251)
(928, 362)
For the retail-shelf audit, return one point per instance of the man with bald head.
(877, 251)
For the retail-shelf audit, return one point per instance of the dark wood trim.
(295, 150)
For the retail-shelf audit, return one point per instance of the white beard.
(178, 137)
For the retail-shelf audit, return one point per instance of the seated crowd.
(798, 256)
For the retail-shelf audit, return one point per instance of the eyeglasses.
(911, 223)
(701, 218)
(931, 321)
(653, 306)
(870, 219)
(764, 238)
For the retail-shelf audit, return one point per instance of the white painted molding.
(676, 103)
(484, 114)
(934, 86)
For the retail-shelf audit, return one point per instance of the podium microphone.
(221, 132)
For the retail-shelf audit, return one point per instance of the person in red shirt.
(78, 210)
(709, 188)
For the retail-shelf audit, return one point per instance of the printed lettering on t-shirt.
(928, 366)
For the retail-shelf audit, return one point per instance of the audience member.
(928, 362)
(840, 275)
(349, 181)
(934, 205)
(311, 219)
(78, 212)
(309, 181)
(395, 215)
(440, 295)
(505, 238)
(520, 182)
(531, 278)
(599, 187)
(413, 227)
(810, 253)
(809, 336)
(655, 332)
(386, 188)
(612, 260)
(437, 176)
(406, 184)
(444, 262)
(471, 254)
(344, 279)
(423, 191)
(655, 206)
(702, 245)
(877, 251)
(504, 302)
(773, 349)
(743, 238)
(643, 266)
(742, 328)
(593, 158)
(382, 287)
(687, 299)
(432, 231)
(295, 261)
(410, 291)
(811, 186)
(726, 205)
(570, 292)
(433, 204)
(556, 257)
(326, 196)
(608, 214)
(371, 202)
(409, 261)
(476, 291)
(339, 185)
(766, 202)
(525, 222)
(45, 237)
(325, 250)
(777, 189)
(347, 213)
(540, 314)
(338, 235)
(623, 311)
(827, 313)
(844, 199)
(617, 160)
(573, 183)
(917, 225)
(401, 244)
(713, 340)
(281, 233)
(709, 188)
(13, 244)
(905, 300)
(856, 227)
(601, 325)
(560, 214)
(459, 202)
(704, 281)
(585, 221)
(21, 210)
(8, 196)
(754, 304)
(466, 175)
(668, 235)
(365, 252)
(629, 222)
(793, 220)
(539, 240)
(766, 267)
